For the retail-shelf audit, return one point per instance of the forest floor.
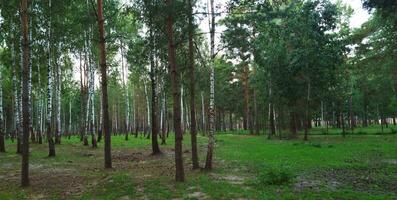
(246, 167)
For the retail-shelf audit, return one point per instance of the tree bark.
(2, 135)
(307, 120)
(51, 145)
(193, 127)
(104, 84)
(179, 171)
(211, 135)
(25, 95)
(154, 116)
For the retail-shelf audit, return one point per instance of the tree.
(2, 135)
(179, 171)
(25, 94)
(50, 139)
(211, 135)
(104, 85)
(193, 128)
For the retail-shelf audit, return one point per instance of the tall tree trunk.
(351, 116)
(307, 120)
(256, 115)
(246, 119)
(342, 121)
(82, 98)
(211, 135)
(51, 145)
(15, 98)
(293, 126)
(182, 111)
(25, 95)
(2, 135)
(58, 102)
(104, 83)
(90, 103)
(272, 127)
(193, 128)
(70, 119)
(17, 131)
(33, 136)
(164, 118)
(203, 125)
(154, 116)
(179, 171)
(40, 110)
(125, 87)
(148, 121)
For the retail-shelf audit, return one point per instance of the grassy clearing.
(246, 167)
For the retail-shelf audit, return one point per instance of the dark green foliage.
(279, 175)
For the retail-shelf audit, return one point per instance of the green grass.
(360, 166)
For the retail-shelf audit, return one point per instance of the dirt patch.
(232, 179)
(377, 179)
(63, 183)
(390, 161)
(198, 195)
(128, 157)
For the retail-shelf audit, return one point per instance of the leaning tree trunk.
(211, 135)
(179, 171)
(193, 129)
(25, 94)
(104, 83)
(51, 145)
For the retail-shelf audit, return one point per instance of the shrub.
(275, 176)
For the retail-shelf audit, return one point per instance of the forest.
(198, 99)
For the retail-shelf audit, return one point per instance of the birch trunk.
(125, 84)
(211, 135)
(58, 101)
(50, 138)
(148, 125)
(203, 125)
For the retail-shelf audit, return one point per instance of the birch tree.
(51, 143)
(211, 135)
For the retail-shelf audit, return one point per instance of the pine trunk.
(25, 94)
(193, 129)
(154, 114)
(2, 135)
(104, 83)
(179, 171)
